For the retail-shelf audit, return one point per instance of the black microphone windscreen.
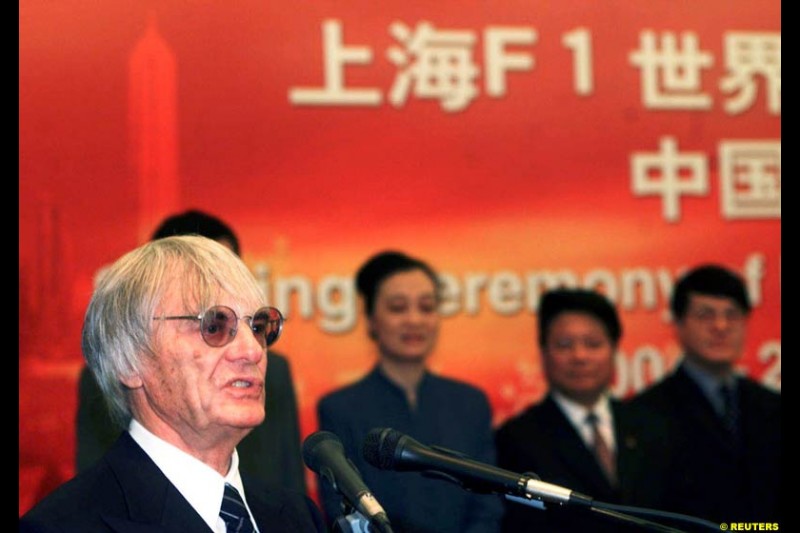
(310, 455)
(380, 446)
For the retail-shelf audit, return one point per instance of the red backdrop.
(511, 144)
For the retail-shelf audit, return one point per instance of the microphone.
(323, 453)
(388, 449)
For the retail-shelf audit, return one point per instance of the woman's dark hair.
(382, 265)
(561, 300)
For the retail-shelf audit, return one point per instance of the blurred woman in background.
(401, 297)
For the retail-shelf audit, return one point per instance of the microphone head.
(315, 444)
(380, 447)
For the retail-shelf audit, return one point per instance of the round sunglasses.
(219, 324)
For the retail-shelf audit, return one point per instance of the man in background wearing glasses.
(726, 428)
(176, 334)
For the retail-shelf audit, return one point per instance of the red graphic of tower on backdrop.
(152, 118)
(49, 362)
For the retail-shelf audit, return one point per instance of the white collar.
(576, 414)
(201, 485)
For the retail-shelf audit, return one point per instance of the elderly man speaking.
(176, 334)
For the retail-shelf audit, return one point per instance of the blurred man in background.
(726, 428)
(578, 436)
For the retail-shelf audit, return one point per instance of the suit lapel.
(627, 430)
(697, 407)
(576, 457)
(264, 512)
(631, 458)
(152, 503)
(270, 513)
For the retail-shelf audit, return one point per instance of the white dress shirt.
(576, 414)
(201, 485)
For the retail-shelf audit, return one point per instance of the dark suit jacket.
(125, 492)
(714, 481)
(449, 413)
(271, 452)
(541, 440)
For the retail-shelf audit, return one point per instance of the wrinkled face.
(712, 332)
(578, 356)
(192, 388)
(405, 318)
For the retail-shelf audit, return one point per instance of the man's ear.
(371, 330)
(132, 380)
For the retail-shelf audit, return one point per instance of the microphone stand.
(616, 512)
(352, 521)
(614, 508)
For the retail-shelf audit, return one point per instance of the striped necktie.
(234, 513)
(603, 454)
(730, 410)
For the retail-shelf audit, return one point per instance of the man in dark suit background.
(271, 452)
(579, 332)
(728, 443)
(176, 335)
